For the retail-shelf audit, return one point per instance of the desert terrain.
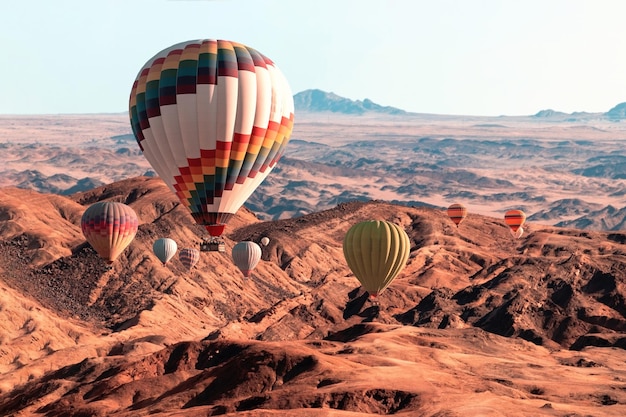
(561, 169)
(479, 323)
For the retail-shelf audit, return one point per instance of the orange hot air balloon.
(457, 213)
(109, 227)
(514, 219)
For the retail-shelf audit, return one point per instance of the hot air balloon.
(376, 251)
(265, 241)
(109, 227)
(457, 213)
(246, 256)
(165, 249)
(519, 232)
(189, 257)
(212, 117)
(514, 219)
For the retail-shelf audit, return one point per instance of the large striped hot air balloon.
(246, 256)
(457, 213)
(376, 251)
(165, 249)
(514, 219)
(213, 118)
(109, 227)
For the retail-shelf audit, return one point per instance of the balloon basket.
(213, 245)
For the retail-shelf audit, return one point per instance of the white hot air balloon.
(265, 241)
(246, 256)
(164, 249)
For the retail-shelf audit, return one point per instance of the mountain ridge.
(320, 101)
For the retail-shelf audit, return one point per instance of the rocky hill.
(322, 101)
(478, 323)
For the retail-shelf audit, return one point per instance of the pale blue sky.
(463, 57)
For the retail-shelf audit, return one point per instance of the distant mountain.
(608, 218)
(617, 113)
(321, 101)
(550, 113)
(565, 208)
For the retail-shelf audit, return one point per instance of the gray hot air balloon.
(165, 249)
(246, 256)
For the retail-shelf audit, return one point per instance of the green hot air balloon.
(376, 251)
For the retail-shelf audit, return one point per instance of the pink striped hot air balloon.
(189, 257)
(109, 227)
(213, 117)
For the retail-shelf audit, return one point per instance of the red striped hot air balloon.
(212, 117)
(109, 227)
(457, 213)
(514, 219)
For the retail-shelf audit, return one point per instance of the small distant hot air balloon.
(165, 249)
(246, 256)
(376, 251)
(514, 219)
(109, 227)
(519, 232)
(189, 257)
(457, 213)
(265, 241)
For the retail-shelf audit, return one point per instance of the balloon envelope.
(212, 117)
(165, 249)
(514, 219)
(246, 256)
(109, 227)
(457, 213)
(265, 241)
(376, 251)
(189, 257)
(519, 232)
